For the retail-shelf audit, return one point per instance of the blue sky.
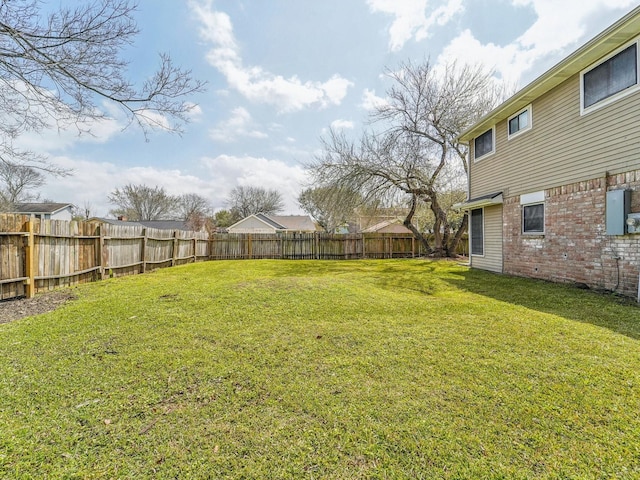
(281, 72)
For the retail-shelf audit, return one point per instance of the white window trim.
(617, 96)
(493, 145)
(529, 200)
(484, 246)
(522, 130)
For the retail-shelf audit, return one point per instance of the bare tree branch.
(141, 202)
(56, 69)
(245, 201)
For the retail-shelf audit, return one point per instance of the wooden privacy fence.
(317, 246)
(38, 255)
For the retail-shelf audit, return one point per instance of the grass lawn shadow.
(619, 314)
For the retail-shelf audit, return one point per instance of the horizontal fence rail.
(39, 255)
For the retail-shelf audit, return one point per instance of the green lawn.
(342, 370)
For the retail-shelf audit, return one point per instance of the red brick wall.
(575, 247)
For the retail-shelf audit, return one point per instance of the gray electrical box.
(618, 207)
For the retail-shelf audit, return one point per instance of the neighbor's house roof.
(624, 29)
(302, 223)
(280, 223)
(40, 208)
(166, 224)
(269, 221)
(394, 222)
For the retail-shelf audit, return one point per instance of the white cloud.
(256, 84)
(92, 182)
(511, 62)
(370, 101)
(411, 19)
(153, 120)
(567, 22)
(237, 126)
(342, 124)
(228, 171)
(59, 139)
(219, 175)
(195, 111)
(508, 61)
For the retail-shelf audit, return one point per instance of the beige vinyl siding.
(563, 146)
(492, 258)
(252, 225)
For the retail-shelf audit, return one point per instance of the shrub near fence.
(38, 255)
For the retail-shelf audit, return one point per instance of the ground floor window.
(533, 218)
(477, 231)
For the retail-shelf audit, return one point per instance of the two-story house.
(554, 171)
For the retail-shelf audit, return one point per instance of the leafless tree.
(17, 183)
(245, 201)
(84, 212)
(415, 157)
(57, 68)
(192, 204)
(141, 202)
(195, 210)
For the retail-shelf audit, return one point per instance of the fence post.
(143, 252)
(104, 263)
(249, 246)
(30, 267)
(100, 249)
(195, 249)
(174, 255)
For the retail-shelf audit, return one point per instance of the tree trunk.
(441, 228)
(408, 222)
(457, 238)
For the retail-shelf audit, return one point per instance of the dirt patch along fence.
(41, 255)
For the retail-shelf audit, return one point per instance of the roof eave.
(484, 201)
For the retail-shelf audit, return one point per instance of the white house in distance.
(261, 223)
(45, 211)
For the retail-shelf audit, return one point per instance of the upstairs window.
(611, 79)
(483, 145)
(520, 122)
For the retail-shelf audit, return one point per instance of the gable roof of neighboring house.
(269, 221)
(623, 30)
(249, 224)
(40, 208)
(280, 223)
(382, 225)
(301, 223)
